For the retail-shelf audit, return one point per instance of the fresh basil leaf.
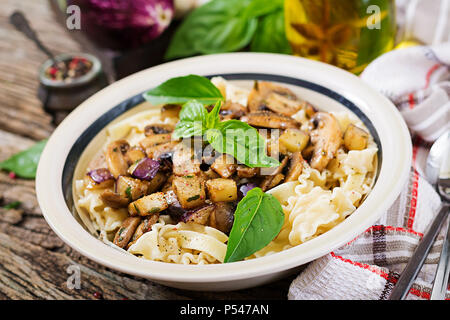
(217, 26)
(241, 141)
(24, 164)
(270, 35)
(183, 89)
(192, 122)
(257, 221)
(258, 8)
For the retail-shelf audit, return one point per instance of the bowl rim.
(393, 171)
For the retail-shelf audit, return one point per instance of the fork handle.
(414, 265)
(441, 278)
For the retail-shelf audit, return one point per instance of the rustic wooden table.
(34, 262)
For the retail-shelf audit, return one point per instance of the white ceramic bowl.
(323, 85)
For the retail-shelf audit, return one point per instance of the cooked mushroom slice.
(175, 210)
(114, 200)
(155, 140)
(294, 140)
(148, 205)
(232, 110)
(153, 129)
(276, 177)
(355, 138)
(326, 138)
(310, 111)
(190, 191)
(131, 188)
(126, 231)
(223, 216)
(184, 161)
(170, 111)
(115, 157)
(246, 172)
(99, 179)
(224, 165)
(261, 90)
(145, 226)
(308, 152)
(269, 119)
(156, 183)
(222, 190)
(198, 215)
(295, 167)
(134, 154)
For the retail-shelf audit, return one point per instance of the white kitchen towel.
(417, 80)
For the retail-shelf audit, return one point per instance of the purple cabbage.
(124, 24)
(146, 169)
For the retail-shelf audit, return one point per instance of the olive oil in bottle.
(346, 33)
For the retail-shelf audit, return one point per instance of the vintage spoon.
(18, 20)
(414, 265)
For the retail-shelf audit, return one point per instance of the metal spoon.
(18, 20)
(414, 265)
(443, 185)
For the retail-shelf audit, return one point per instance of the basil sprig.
(24, 163)
(257, 221)
(231, 25)
(232, 137)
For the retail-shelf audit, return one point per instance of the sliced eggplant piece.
(190, 191)
(184, 161)
(148, 205)
(246, 172)
(99, 179)
(199, 215)
(175, 210)
(145, 169)
(225, 166)
(326, 138)
(131, 188)
(115, 157)
(295, 167)
(126, 231)
(222, 190)
(267, 119)
(222, 216)
(294, 140)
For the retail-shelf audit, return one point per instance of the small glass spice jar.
(68, 80)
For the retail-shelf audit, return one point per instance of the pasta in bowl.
(81, 218)
(163, 191)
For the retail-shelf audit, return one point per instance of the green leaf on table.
(217, 26)
(241, 141)
(258, 8)
(257, 221)
(270, 35)
(24, 163)
(180, 90)
(12, 205)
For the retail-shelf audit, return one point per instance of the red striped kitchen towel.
(417, 80)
